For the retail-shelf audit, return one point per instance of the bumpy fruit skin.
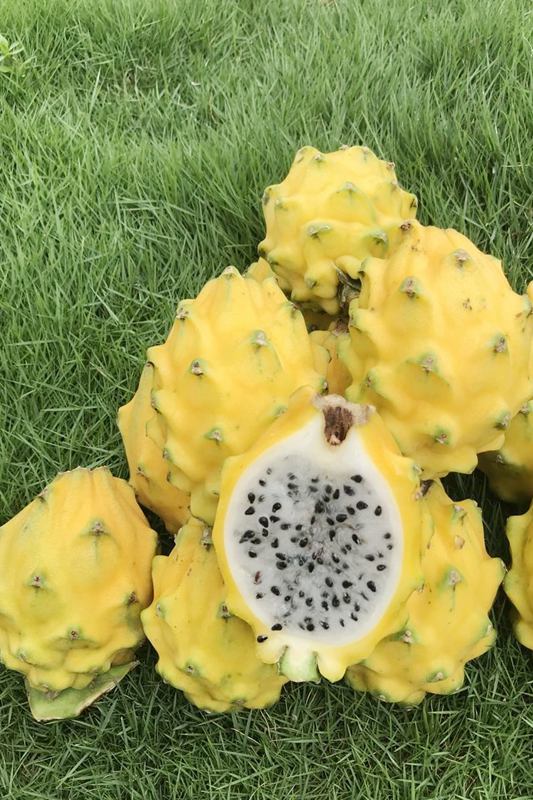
(148, 469)
(203, 650)
(232, 360)
(299, 658)
(510, 469)
(518, 583)
(448, 622)
(330, 212)
(333, 368)
(76, 573)
(441, 345)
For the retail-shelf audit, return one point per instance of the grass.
(135, 142)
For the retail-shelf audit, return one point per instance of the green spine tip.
(458, 512)
(223, 611)
(454, 577)
(97, 528)
(317, 229)
(380, 237)
(499, 344)
(181, 313)
(458, 542)
(410, 287)
(461, 256)
(503, 422)
(206, 538)
(131, 599)
(441, 437)
(279, 205)
(406, 226)
(196, 368)
(230, 272)
(428, 362)
(407, 637)
(259, 338)
(319, 158)
(215, 435)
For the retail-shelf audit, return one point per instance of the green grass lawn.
(134, 149)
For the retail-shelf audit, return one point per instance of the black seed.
(301, 560)
(345, 565)
(303, 542)
(349, 490)
(285, 526)
(259, 596)
(338, 571)
(263, 521)
(276, 507)
(252, 553)
(274, 543)
(281, 556)
(346, 584)
(291, 476)
(371, 585)
(350, 509)
(301, 594)
(381, 567)
(332, 535)
(341, 623)
(308, 619)
(246, 536)
(273, 518)
(257, 540)
(355, 619)
(309, 602)
(294, 539)
(356, 478)
(325, 605)
(356, 539)
(380, 555)
(249, 511)
(257, 577)
(319, 507)
(269, 471)
(292, 486)
(310, 567)
(275, 590)
(325, 625)
(389, 547)
(301, 625)
(262, 639)
(377, 511)
(281, 565)
(336, 494)
(261, 498)
(313, 488)
(356, 607)
(328, 582)
(361, 505)
(310, 626)
(264, 532)
(335, 602)
(299, 527)
(346, 598)
(251, 497)
(387, 536)
(287, 598)
(370, 558)
(277, 627)
(329, 488)
(324, 594)
(330, 521)
(335, 558)
(262, 482)
(315, 480)
(363, 595)
(341, 517)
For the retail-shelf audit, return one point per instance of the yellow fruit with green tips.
(448, 623)
(518, 583)
(441, 345)
(76, 573)
(232, 360)
(149, 470)
(330, 212)
(203, 650)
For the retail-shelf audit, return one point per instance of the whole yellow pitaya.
(76, 573)
(441, 346)
(204, 650)
(330, 212)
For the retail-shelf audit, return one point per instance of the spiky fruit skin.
(329, 213)
(448, 621)
(441, 345)
(148, 469)
(76, 573)
(518, 582)
(334, 369)
(299, 658)
(510, 469)
(203, 650)
(232, 360)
